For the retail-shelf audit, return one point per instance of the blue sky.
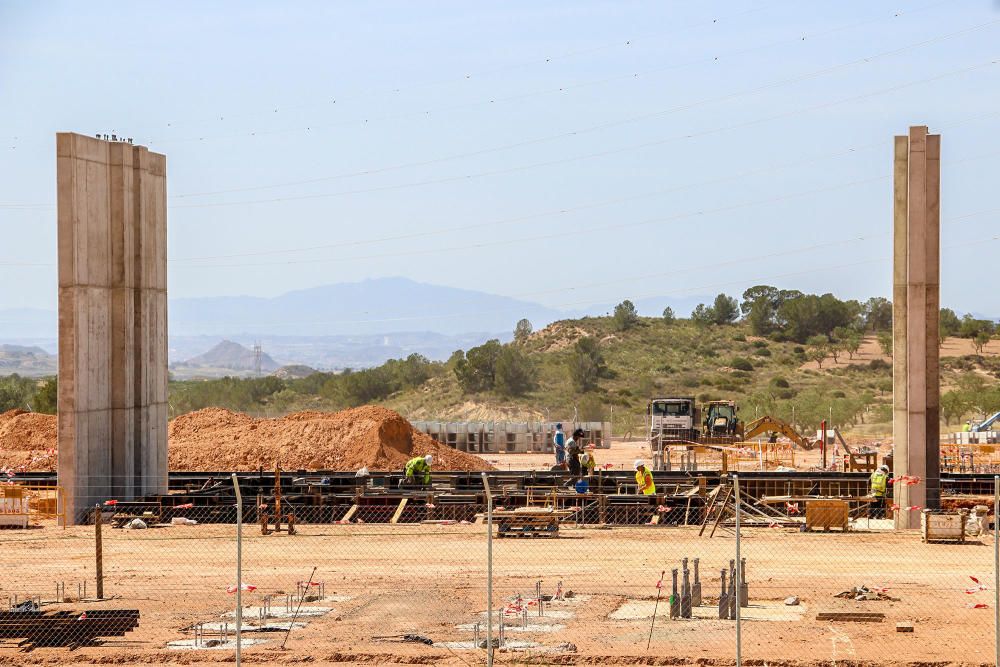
(562, 152)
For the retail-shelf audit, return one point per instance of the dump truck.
(673, 420)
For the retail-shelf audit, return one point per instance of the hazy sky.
(561, 152)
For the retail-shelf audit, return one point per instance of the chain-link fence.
(704, 572)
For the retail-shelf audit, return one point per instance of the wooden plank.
(904, 626)
(399, 511)
(709, 504)
(350, 513)
(851, 616)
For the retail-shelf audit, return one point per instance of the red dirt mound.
(217, 439)
(369, 436)
(25, 441)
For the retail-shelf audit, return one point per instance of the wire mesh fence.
(410, 580)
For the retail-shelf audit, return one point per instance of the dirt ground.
(623, 453)
(389, 580)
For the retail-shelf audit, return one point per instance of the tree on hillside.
(477, 371)
(810, 315)
(522, 330)
(760, 307)
(668, 315)
(980, 341)
(725, 310)
(625, 316)
(586, 364)
(19, 392)
(885, 343)
(702, 315)
(972, 327)
(847, 339)
(877, 313)
(948, 323)
(953, 406)
(515, 373)
(819, 347)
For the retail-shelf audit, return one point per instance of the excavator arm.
(767, 424)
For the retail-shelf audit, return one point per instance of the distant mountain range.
(371, 307)
(347, 325)
(31, 361)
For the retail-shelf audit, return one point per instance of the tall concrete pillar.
(916, 304)
(112, 321)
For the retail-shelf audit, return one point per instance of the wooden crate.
(943, 525)
(827, 514)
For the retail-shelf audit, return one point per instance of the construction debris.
(407, 638)
(792, 601)
(865, 593)
(904, 626)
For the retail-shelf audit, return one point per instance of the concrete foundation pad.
(212, 644)
(508, 646)
(533, 614)
(252, 627)
(531, 627)
(251, 613)
(641, 610)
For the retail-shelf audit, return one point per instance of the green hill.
(654, 358)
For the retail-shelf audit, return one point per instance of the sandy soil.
(870, 350)
(387, 580)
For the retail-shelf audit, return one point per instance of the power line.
(540, 60)
(605, 153)
(606, 125)
(798, 39)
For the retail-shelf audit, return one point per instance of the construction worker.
(559, 444)
(573, 453)
(418, 470)
(879, 484)
(587, 461)
(967, 426)
(644, 479)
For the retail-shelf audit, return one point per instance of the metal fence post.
(739, 575)
(239, 568)
(489, 571)
(996, 569)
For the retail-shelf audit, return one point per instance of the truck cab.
(673, 419)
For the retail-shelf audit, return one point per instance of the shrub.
(741, 364)
(780, 382)
(798, 349)
(740, 338)
(762, 352)
(760, 343)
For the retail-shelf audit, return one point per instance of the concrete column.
(112, 321)
(916, 285)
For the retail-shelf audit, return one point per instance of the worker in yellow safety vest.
(879, 484)
(418, 471)
(644, 478)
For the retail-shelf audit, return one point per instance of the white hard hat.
(429, 459)
(884, 468)
(638, 464)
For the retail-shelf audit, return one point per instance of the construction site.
(126, 549)
(718, 533)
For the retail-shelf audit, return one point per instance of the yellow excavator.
(769, 424)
